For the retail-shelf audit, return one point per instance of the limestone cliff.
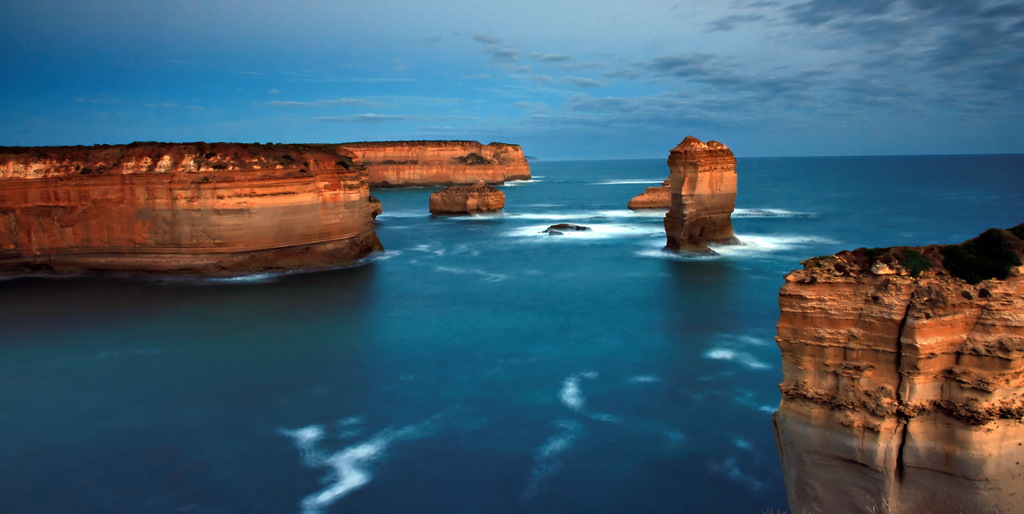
(467, 199)
(653, 198)
(195, 208)
(440, 163)
(702, 182)
(903, 385)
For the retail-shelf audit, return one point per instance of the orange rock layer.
(900, 394)
(703, 188)
(440, 163)
(207, 209)
(467, 199)
(653, 198)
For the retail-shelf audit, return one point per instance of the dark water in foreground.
(477, 366)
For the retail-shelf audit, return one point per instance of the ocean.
(478, 365)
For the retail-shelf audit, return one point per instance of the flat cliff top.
(995, 253)
(479, 187)
(155, 158)
(421, 143)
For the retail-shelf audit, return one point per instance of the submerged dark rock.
(566, 226)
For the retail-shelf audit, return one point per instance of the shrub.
(915, 262)
(1018, 231)
(987, 256)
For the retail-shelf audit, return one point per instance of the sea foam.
(546, 456)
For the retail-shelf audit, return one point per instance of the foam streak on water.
(350, 467)
(546, 456)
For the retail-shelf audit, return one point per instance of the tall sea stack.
(703, 187)
(903, 380)
(194, 208)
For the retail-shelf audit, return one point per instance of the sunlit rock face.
(900, 394)
(703, 192)
(478, 198)
(653, 198)
(195, 208)
(440, 163)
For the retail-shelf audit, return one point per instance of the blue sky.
(565, 79)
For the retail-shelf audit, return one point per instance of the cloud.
(505, 54)
(542, 79)
(169, 104)
(481, 76)
(488, 40)
(730, 22)
(581, 82)
(98, 100)
(274, 91)
(320, 103)
(555, 58)
(368, 118)
(433, 40)
(536, 107)
(195, 107)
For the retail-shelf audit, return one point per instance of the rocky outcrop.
(195, 208)
(703, 187)
(903, 385)
(440, 163)
(473, 199)
(376, 209)
(653, 198)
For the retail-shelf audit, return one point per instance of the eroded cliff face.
(196, 208)
(653, 198)
(703, 188)
(901, 394)
(440, 163)
(474, 199)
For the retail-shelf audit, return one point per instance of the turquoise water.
(476, 366)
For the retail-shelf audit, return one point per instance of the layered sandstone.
(440, 163)
(702, 183)
(653, 198)
(473, 199)
(901, 393)
(195, 208)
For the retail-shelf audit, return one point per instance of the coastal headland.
(903, 379)
(439, 163)
(192, 208)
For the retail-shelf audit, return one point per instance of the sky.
(595, 79)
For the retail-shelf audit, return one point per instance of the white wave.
(403, 214)
(628, 181)
(659, 253)
(644, 379)
(255, 278)
(488, 277)
(350, 467)
(729, 469)
(580, 215)
(770, 409)
(514, 183)
(744, 358)
(752, 246)
(570, 395)
(761, 244)
(546, 456)
(769, 213)
(742, 339)
(743, 444)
